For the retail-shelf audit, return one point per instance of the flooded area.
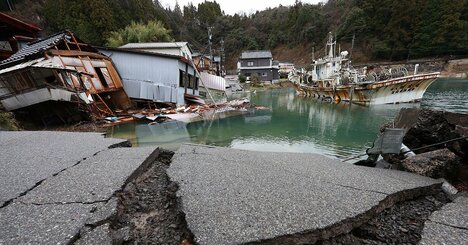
(294, 123)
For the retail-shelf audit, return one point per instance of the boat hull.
(399, 90)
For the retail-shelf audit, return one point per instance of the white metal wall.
(213, 82)
(150, 77)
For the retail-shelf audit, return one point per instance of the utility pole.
(313, 54)
(210, 35)
(222, 58)
(352, 46)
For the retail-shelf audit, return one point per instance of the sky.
(232, 7)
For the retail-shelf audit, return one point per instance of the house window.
(250, 63)
(190, 81)
(23, 81)
(181, 78)
(107, 77)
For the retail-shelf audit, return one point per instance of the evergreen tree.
(154, 31)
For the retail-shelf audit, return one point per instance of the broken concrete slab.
(42, 224)
(449, 225)
(453, 214)
(435, 233)
(30, 157)
(94, 179)
(234, 196)
(82, 172)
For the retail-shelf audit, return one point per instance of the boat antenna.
(313, 54)
(334, 47)
(330, 43)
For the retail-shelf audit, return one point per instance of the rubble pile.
(427, 128)
(184, 113)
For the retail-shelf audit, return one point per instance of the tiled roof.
(256, 54)
(35, 48)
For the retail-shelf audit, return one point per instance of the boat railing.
(383, 74)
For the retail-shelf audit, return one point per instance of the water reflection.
(294, 124)
(449, 95)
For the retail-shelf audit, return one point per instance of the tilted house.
(259, 63)
(201, 61)
(59, 76)
(14, 34)
(154, 76)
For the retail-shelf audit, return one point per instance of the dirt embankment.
(456, 69)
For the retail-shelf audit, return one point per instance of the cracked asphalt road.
(56, 186)
(235, 196)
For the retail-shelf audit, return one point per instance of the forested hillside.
(381, 29)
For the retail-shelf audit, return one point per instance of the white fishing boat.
(333, 78)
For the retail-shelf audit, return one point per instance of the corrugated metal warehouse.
(154, 76)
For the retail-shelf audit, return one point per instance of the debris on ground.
(439, 139)
(188, 113)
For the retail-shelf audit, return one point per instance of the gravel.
(148, 210)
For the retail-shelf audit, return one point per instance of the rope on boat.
(415, 149)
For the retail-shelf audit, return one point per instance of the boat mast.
(330, 44)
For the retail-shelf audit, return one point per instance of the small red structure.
(14, 34)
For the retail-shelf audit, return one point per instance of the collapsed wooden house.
(59, 78)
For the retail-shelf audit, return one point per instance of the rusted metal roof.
(18, 23)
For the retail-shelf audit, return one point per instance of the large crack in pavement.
(149, 211)
(449, 225)
(347, 225)
(403, 223)
(11, 200)
(93, 214)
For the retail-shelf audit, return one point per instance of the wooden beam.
(74, 39)
(70, 53)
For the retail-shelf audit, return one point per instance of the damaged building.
(61, 79)
(154, 76)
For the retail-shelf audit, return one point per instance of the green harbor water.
(294, 124)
